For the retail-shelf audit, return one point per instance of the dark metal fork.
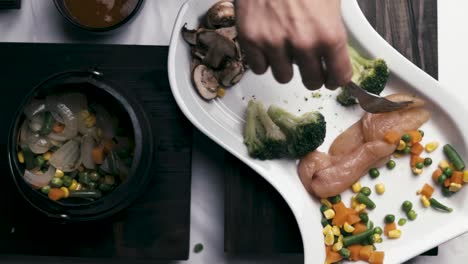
(373, 103)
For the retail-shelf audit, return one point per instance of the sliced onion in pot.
(67, 106)
(57, 117)
(38, 144)
(24, 133)
(87, 145)
(38, 179)
(67, 157)
(36, 122)
(35, 107)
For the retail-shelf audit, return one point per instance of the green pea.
(378, 230)
(374, 173)
(389, 218)
(345, 253)
(407, 206)
(402, 221)
(412, 215)
(56, 182)
(407, 150)
(93, 185)
(364, 217)
(333, 199)
(67, 181)
(371, 240)
(391, 164)
(323, 208)
(446, 191)
(366, 191)
(448, 172)
(83, 177)
(39, 161)
(406, 138)
(441, 179)
(105, 187)
(427, 162)
(94, 176)
(419, 165)
(324, 222)
(198, 248)
(45, 189)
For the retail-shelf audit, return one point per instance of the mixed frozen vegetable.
(72, 148)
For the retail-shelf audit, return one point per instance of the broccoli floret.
(370, 74)
(264, 139)
(305, 133)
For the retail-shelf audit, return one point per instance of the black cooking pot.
(121, 102)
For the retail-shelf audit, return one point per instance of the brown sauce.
(100, 13)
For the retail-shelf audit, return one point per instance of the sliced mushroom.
(194, 63)
(219, 47)
(231, 73)
(198, 52)
(228, 32)
(205, 81)
(189, 35)
(221, 14)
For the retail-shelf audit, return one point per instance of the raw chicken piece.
(342, 171)
(358, 149)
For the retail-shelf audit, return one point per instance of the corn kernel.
(337, 246)
(340, 238)
(47, 155)
(99, 133)
(79, 186)
(454, 187)
(401, 145)
(426, 203)
(354, 203)
(20, 157)
(326, 229)
(221, 92)
(465, 176)
(431, 146)
(394, 234)
(417, 171)
(380, 188)
(336, 230)
(85, 114)
(59, 173)
(348, 228)
(329, 214)
(360, 207)
(73, 185)
(443, 164)
(329, 238)
(397, 155)
(90, 121)
(377, 238)
(356, 187)
(66, 192)
(326, 203)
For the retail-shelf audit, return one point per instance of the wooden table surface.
(257, 220)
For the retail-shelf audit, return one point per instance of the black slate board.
(257, 219)
(157, 225)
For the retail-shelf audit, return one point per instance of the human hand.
(276, 33)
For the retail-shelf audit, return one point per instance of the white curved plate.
(222, 121)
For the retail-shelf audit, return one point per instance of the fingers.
(280, 63)
(255, 59)
(311, 70)
(339, 70)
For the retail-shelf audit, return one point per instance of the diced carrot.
(354, 250)
(457, 177)
(365, 252)
(98, 154)
(58, 127)
(332, 256)
(353, 218)
(392, 137)
(416, 137)
(341, 214)
(447, 182)
(359, 228)
(415, 159)
(389, 227)
(427, 190)
(377, 257)
(56, 194)
(436, 174)
(417, 149)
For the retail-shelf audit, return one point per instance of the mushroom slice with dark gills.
(205, 81)
(218, 48)
(231, 73)
(221, 14)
